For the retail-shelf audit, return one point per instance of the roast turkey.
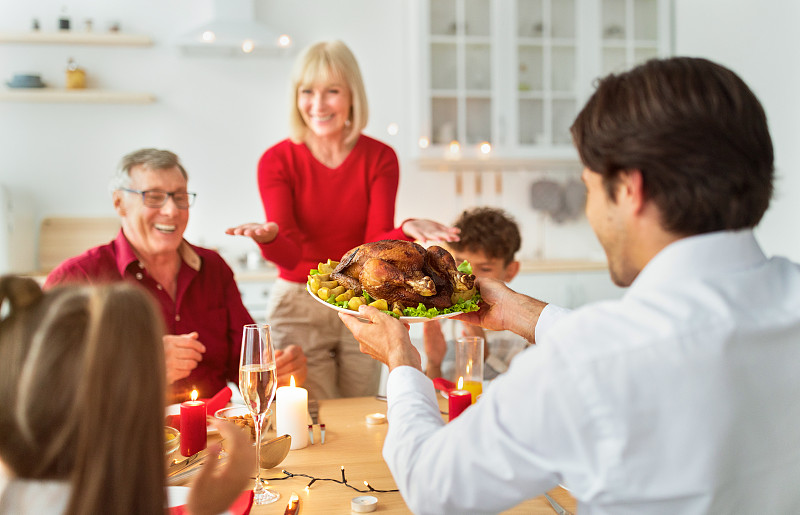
(405, 274)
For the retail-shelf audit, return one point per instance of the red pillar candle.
(193, 426)
(458, 401)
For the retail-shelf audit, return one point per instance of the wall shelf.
(85, 96)
(76, 38)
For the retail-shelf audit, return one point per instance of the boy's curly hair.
(489, 230)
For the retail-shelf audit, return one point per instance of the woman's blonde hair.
(321, 62)
(82, 393)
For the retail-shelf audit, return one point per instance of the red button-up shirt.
(207, 301)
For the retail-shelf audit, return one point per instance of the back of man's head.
(488, 230)
(696, 132)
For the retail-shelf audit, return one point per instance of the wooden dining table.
(352, 443)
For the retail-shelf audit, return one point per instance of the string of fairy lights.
(343, 481)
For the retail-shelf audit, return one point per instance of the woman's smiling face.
(325, 107)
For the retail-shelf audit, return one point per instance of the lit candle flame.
(460, 383)
(194, 395)
(291, 381)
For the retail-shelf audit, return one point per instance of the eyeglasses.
(157, 198)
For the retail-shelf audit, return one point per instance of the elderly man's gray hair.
(151, 158)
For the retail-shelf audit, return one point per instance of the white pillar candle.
(291, 414)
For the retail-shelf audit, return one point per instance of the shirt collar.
(716, 253)
(126, 255)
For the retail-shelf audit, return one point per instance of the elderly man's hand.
(260, 233)
(218, 486)
(384, 338)
(182, 353)
(289, 362)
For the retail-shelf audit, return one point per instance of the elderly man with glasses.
(193, 286)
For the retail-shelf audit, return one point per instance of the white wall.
(758, 41)
(219, 115)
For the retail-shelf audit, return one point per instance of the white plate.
(410, 320)
(179, 495)
(175, 409)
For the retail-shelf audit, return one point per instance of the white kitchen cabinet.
(514, 73)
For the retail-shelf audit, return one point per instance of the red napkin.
(241, 506)
(440, 383)
(217, 402)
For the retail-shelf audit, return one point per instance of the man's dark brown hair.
(696, 132)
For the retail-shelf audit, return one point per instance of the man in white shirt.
(681, 397)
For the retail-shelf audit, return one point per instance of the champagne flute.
(257, 382)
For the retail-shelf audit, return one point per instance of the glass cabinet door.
(547, 64)
(460, 52)
(514, 73)
(630, 33)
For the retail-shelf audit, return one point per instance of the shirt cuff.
(405, 380)
(549, 316)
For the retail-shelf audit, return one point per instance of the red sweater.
(323, 212)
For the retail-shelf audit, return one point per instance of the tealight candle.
(458, 400)
(193, 426)
(291, 414)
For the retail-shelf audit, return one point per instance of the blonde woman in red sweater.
(327, 148)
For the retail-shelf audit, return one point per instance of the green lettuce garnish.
(465, 267)
(465, 306)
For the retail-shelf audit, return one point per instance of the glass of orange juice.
(469, 364)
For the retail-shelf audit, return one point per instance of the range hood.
(233, 31)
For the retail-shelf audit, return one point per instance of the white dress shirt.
(682, 397)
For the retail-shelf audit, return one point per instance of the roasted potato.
(346, 296)
(355, 302)
(380, 304)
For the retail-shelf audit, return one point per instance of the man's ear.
(630, 190)
(511, 271)
(119, 205)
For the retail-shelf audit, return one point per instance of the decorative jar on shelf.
(76, 77)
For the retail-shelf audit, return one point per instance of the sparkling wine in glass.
(257, 382)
